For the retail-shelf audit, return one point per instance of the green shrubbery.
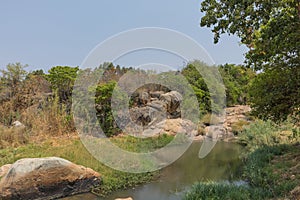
(223, 191)
(270, 165)
(267, 133)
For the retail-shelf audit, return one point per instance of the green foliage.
(236, 80)
(271, 31)
(239, 126)
(260, 169)
(260, 133)
(62, 80)
(12, 78)
(74, 150)
(199, 86)
(275, 93)
(222, 191)
(269, 28)
(144, 145)
(103, 107)
(210, 90)
(267, 133)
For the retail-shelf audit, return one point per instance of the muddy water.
(222, 164)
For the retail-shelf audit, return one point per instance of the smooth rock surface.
(46, 178)
(172, 127)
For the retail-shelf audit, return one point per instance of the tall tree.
(12, 77)
(62, 80)
(271, 31)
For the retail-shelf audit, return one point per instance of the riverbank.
(222, 164)
(271, 166)
(72, 149)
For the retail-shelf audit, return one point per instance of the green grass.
(271, 169)
(73, 150)
(267, 133)
(135, 144)
(271, 165)
(222, 191)
(268, 172)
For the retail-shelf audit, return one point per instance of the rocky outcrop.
(155, 107)
(45, 178)
(225, 129)
(234, 115)
(158, 112)
(172, 127)
(172, 102)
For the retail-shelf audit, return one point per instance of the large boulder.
(172, 100)
(172, 127)
(45, 178)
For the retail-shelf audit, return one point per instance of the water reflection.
(221, 164)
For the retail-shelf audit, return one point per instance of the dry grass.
(13, 137)
(50, 121)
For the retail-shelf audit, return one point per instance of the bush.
(265, 133)
(239, 126)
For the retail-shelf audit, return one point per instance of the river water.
(221, 164)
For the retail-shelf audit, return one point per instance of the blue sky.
(48, 33)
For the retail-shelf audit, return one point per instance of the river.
(221, 164)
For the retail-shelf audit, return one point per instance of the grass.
(223, 191)
(72, 149)
(13, 137)
(274, 169)
(239, 126)
(267, 133)
(135, 144)
(271, 172)
(271, 166)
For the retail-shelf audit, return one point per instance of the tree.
(277, 95)
(12, 77)
(236, 79)
(271, 31)
(62, 80)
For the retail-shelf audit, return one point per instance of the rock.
(156, 94)
(144, 98)
(172, 127)
(18, 124)
(4, 169)
(296, 192)
(128, 198)
(224, 130)
(46, 178)
(140, 115)
(215, 131)
(173, 100)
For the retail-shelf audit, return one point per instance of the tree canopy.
(271, 31)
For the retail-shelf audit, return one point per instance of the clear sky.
(47, 33)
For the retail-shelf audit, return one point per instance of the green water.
(221, 164)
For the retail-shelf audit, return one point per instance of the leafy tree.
(276, 93)
(236, 79)
(103, 107)
(62, 81)
(12, 77)
(199, 86)
(271, 31)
